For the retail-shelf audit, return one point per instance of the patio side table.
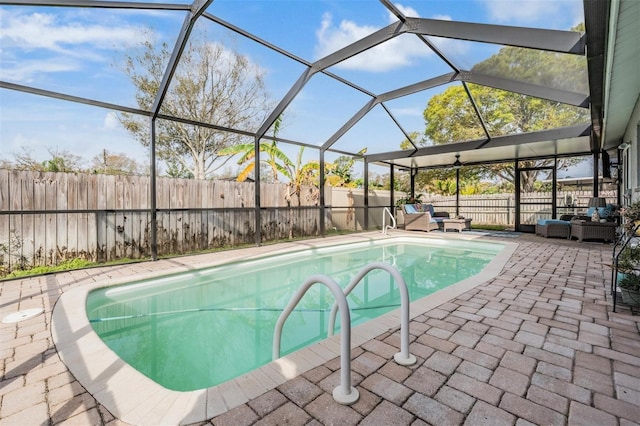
(584, 230)
(456, 224)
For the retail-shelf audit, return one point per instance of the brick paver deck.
(539, 344)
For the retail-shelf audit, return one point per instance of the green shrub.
(630, 282)
(629, 259)
(632, 211)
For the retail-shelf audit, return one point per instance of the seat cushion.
(603, 212)
(409, 208)
(428, 208)
(553, 222)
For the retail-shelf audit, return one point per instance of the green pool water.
(194, 330)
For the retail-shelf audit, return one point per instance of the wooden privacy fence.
(46, 218)
(487, 209)
(499, 209)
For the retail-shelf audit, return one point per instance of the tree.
(212, 85)
(505, 113)
(109, 163)
(277, 161)
(539, 67)
(307, 174)
(60, 161)
(177, 170)
(341, 170)
(6, 164)
(436, 181)
(450, 116)
(377, 181)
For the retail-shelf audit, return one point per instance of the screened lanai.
(320, 81)
(106, 99)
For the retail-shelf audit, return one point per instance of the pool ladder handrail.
(389, 258)
(393, 220)
(403, 357)
(344, 393)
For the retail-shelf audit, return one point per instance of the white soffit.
(623, 69)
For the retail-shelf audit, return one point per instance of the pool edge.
(136, 399)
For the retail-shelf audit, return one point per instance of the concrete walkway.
(539, 344)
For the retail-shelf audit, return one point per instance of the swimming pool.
(198, 329)
(134, 398)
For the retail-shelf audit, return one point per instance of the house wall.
(632, 154)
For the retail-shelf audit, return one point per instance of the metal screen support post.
(153, 177)
(321, 187)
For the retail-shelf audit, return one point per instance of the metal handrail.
(393, 220)
(345, 393)
(403, 357)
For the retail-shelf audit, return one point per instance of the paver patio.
(538, 344)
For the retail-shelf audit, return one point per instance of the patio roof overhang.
(562, 142)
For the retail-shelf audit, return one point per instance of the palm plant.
(276, 159)
(301, 175)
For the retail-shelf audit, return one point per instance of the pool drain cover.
(21, 315)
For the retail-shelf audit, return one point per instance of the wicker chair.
(418, 221)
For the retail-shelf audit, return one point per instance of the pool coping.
(136, 399)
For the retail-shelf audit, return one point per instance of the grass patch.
(67, 265)
(481, 227)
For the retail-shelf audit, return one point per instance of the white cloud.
(36, 44)
(46, 31)
(111, 121)
(24, 71)
(393, 54)
(406, 10)
(331, 38)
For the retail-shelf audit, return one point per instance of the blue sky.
(79, 52)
